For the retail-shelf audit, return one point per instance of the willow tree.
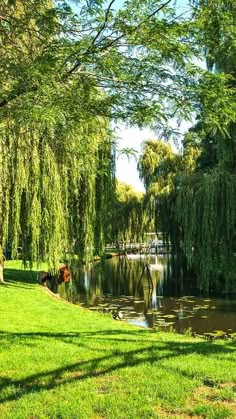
(206, 206)
(200, 203)
(161, 169)
(65, 73)
(130, 220)
(57, 162)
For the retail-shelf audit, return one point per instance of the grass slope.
(63, 361)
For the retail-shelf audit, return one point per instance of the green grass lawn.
(63, 361)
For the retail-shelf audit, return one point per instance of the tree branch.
(105, 22)
(114, 41)
(91, 49)
(14, 96)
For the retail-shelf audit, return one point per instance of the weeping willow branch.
(49, 199)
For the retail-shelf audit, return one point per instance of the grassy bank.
(62, 361)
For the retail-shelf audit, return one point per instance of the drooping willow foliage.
(56, 150)
(129, 218)
(160, 168)
(54, 189)
(206, 212)
(206, 201)
(195, 209)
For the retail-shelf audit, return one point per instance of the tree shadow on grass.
(134, 337)
(120, 349)
(16, 276)
(112, 360)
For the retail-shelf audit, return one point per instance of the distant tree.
(130, 219)
(160, 169)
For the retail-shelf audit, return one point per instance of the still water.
(149, 296)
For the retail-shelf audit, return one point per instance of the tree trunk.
(1, 262)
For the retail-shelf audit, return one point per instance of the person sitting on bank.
(64, 274)
(44, 277)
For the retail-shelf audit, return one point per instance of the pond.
(149, 296)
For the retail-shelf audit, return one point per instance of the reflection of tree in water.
(108, 286)
(88, 283)
(145, 285)
(150, 287)
(113, 278)
(121, 277)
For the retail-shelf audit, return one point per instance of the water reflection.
(163, 302)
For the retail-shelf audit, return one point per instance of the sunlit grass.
(63, 361)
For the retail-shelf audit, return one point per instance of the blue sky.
(126, 170)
